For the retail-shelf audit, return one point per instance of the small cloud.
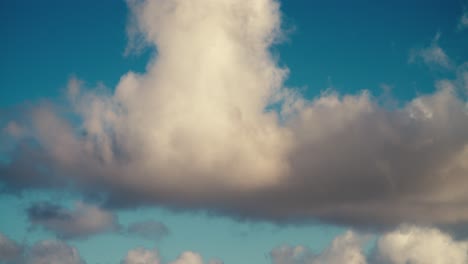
(9, 249)
(42, 252)
(13, 129)
(346, 248)
(462, 76)
(80, 222)
(463, 23)
(53, 251)
(152, 230)
(148, 256)
(142, 256)
(432, 55)
(188, 257)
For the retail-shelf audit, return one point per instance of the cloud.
(53, 252)
(419, 245)
(462, 76)
(141, 256)
(463, 23)
(290, 255)
(150, 229)
(188, 257)
(59, 252)
(433, 55)
(13, 129)
(210, 126)
(346, 248)
(80, 222)
(406, 244)
(215, 261)
(85, 220)
(42, 252)
(9, 249)
(146, 256)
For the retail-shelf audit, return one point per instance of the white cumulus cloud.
(419, 245)
(141, 256)
(346, 248)
(147, 256)
(209, 125)
(403, 245)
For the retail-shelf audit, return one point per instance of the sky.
(226, 131)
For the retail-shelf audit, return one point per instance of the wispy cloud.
(149, 229)
(422, 244)
(86, 220)
(404, 244)
(432, 55)
(463, 22)
(81, 222)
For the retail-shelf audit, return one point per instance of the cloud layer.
(59, 252)
(210, 125)
(406, 244)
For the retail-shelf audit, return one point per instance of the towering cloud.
(210, 125)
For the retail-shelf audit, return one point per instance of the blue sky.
(178, 139)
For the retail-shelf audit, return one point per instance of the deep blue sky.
(352, 46)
